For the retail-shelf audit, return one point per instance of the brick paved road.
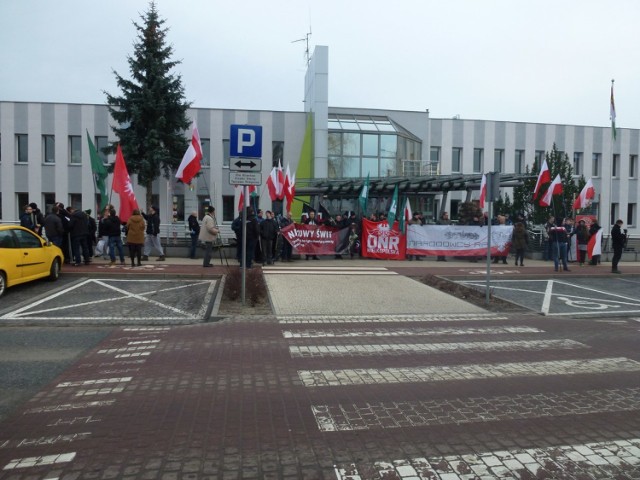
(555, 398)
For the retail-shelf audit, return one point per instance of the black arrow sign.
(241, 164)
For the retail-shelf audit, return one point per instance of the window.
(577, 163)
(75, 200)
(615, 165)
(539, 158)
(477, 160)
(498, 160)
(22, 199)
(456, 159)
(519, 161)
(388, 146)
(75, 149)
(101, 144)
(48, 149)
(228, 208)
(434, 155)
(49, 201)
(225, 153)
(631, 214)
(455, 208)
(22, 148)
(205, 143)
(278, 153)
(595, 164)
(633, 166)
(203, 202)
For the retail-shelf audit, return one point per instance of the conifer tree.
(151, 110)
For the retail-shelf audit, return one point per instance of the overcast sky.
(548, 61)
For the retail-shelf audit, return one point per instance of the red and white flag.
(554, 189)
(190, 165)
(272, 184)
(281, 180)
(241, 200)
(543, 177)
(483, 190)
(586, 195)
(122, 186)
(408, 215)
(289, 189)
(594, 245)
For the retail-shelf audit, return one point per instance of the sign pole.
(244, 244)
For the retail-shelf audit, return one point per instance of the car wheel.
(54, 273)
(3, 283)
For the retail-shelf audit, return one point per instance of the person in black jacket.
(153, 230)
(268, 234)
(78, 230)
(618, 242)
(53, 228)
(111, 228)
(194, 232)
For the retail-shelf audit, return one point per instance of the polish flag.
(594, 246)
(586, 195)
(408, 215)
(122, 186)
(272, 184)
(290, 190)
(190, 165)
(483, 190)
(543, 177)
(241, 200)
(280, 182)
(554, 189)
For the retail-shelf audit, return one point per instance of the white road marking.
(441, 317)
(312, 271)
(429, 348)
(346, 268)
(141, 342)
(546, 302)
(71, 406)
(147, 329)
(456, 411)
(127, 349)
(612, 459)
(388, 332)
(373, 376)
(68, 438)
(39, 461)
(100, 381)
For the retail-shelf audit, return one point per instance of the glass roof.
(365, 123)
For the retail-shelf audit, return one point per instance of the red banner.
(378, 241)
(316, 239)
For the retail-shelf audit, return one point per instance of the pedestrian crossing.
(349, 342)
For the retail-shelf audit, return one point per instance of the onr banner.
(457, 240)
(379, 241)
(316, 239)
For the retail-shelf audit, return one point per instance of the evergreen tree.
(558, 163)
(151, 111)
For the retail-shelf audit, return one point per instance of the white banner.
(457, 240)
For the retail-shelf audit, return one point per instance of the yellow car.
(25, 256)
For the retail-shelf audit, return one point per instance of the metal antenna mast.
(306, 40)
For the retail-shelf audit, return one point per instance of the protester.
(28, 219)
(111, 228)
(593, 230)
(287, 249)
(558, 239)
(520, 241)
(78, 231)
(312, 220)
(268, 234)
(618, 242)
(582, 240)
(92, 230)
(194, 232)
(53, 228)
(135, 237)
(151, 240)
(208, 234)
(444, 220)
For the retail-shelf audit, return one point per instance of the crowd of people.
(81, 237)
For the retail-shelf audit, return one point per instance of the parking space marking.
(161, 311)
(307, 351)
(381, 376)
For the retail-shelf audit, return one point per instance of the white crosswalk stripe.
(331, 319)
(318, 270)
(399, 332)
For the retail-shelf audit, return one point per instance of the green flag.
(393, 209)
(364, 196)
(401, 221)
(99, 173)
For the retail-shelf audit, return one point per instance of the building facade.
(44, 154)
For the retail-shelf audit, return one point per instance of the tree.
(523, 201)
(151, 111)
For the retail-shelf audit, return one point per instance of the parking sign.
(245, 141)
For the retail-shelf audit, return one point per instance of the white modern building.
(44, 155)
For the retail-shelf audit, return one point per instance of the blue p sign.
(245, 141)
